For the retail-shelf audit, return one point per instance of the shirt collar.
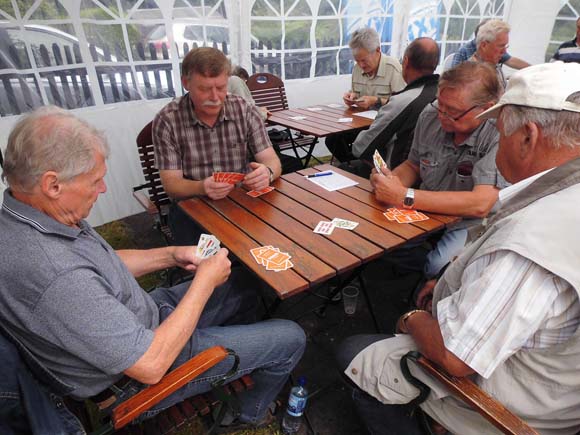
(37, 219)
(509, 192)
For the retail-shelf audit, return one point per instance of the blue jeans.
(269, 350)
(448, 247)
(379, 419)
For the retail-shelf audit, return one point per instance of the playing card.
(379, 162)
(207, 246)
(298, 118)
(344, 120)
(228, 177)
(272, 258)
(404, 216)
(324, 227)
(256, 193)
(314, 109)
(344, 224)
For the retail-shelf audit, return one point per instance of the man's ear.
(529, 140)
(50, 184)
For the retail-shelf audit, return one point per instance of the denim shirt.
(25, 405)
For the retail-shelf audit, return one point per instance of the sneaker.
(236, 425)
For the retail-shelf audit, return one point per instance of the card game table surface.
(286, 217)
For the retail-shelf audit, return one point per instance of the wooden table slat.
(366, 229)
(285, 283)
(298, 229)
(305, 264)
(364, 211)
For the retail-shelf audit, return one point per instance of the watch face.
(408, 201)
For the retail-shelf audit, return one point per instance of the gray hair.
(50, 139)
(560, 128)
(490, 30)
(365, 38)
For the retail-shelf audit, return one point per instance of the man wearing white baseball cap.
(507, 310)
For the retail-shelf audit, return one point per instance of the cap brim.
(492, 112)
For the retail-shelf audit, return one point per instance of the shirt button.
(354, 371)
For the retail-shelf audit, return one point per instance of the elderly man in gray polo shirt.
(452, 158)
(74, 303)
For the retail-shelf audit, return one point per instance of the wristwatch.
(409, 201)
(403, 319)
(271, 174)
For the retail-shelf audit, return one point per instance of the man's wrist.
(271, 173)
(402, 322)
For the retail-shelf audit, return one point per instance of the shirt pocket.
(429, 169)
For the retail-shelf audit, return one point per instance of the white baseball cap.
(544, 86)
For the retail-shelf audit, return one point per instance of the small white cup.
(349, 298)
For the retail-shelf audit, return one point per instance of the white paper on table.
(370, 114)
(297, 118)
(314, 109)
(333, 182)
(344, 120)
(336, 106)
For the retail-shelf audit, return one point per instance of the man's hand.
(366, 102)
(258, 178)
(185, 257)
(216, 190)
(425, 296)
(388, 188)
(349, 98)
(214, 270)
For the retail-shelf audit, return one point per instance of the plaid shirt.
(183, 142)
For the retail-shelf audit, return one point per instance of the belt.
(107, 396)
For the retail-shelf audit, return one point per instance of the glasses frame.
(453, 118)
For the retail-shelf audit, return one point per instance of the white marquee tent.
(116, 62)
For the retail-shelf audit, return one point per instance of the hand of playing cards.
(380, 164)
(272, 258)
(404, 216)
(207, 246)
(228, 177)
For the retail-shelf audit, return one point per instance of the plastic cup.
(349, 298)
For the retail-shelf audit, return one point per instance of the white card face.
(344, 119)
(314, 109)
(344, 224)
(335, 105)
(207, 246)
(379, 162)
(298, 118)
(324, 227)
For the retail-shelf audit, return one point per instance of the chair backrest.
(268, 91)
(157, 194)
(448, 62)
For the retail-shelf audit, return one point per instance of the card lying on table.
(344, 224)
(324, 227)
(256, 193)
(272, 258)
(228, 177)
(404, 216)
(207, 246)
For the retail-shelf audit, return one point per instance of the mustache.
(212, 103)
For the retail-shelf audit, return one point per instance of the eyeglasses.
(453, 118)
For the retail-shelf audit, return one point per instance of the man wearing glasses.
(452, 159)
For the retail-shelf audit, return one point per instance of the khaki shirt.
(388, 79)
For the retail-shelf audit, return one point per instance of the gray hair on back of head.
(50, 139)
(365, 38)
(560, 128)
(489, 31)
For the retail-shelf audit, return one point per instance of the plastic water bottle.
(296, 406)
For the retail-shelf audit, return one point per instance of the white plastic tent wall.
(531, 21)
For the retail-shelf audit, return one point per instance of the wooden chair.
(155, 201)
(268, 91)
(470, 393)
(180, 414)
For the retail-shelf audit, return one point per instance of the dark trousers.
(184, 230)
(379, 419)
(340, 145)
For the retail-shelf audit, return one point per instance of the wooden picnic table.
(318, 123)
(285, 218)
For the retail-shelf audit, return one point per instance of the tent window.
(564, 26)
